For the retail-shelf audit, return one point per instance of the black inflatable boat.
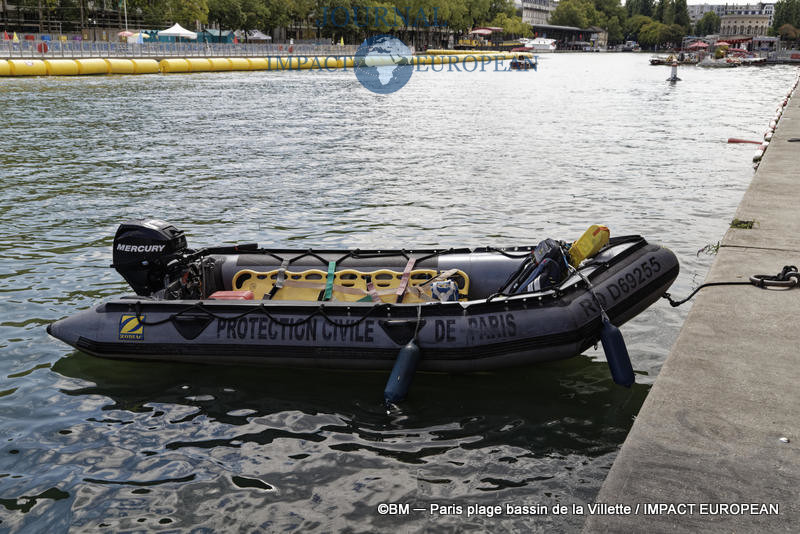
(357, 308)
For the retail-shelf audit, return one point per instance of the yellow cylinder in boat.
(348, 62)
(27, 67)
(587, 245)
(220, 63)
(240, 63)
(5, 68)
(61, 67)
(258, 63)
(173, 65)
(120, 66)
(92, 66)
(198, 64)
(145, 66)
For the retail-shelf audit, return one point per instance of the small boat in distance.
(723, 63)
(630, 46)
(660, 60)
(540, 44)
(523, 62)
(682, 58)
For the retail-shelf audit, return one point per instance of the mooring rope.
(786, 279)
(320, 311)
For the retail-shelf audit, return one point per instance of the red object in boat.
(232, 295)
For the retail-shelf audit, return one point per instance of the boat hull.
(503, 331)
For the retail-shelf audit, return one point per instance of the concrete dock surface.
(714, 428)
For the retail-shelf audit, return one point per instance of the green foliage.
(512, 25)
(657, 33)
(159, 13)
(607, 14)
(227, 13)
(708, 24)
(682, 14)
(658, 12)
(668, 24)
(786, 12)
(255, 14)
(668, 16)
(576, 13)
(619, 21)
(787, 31)
(742, 224)
(639, 7)
(188, 12)
(614, 28)
(634, 25)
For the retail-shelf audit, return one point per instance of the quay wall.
(720, 425)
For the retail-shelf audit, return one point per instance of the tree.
(278, 14)
(639, 7)
(786, 12)
(657, 34)
(188, 12)
(675, 34)
(668, 15)
(607, 14)
(708, 24)
(255, 14)
(658, 13)
(614, 28)
(226, 13)
(682, 14)
(634, 25)
(512, 26)
(571, 13)
(787, 31)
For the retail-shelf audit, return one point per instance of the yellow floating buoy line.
(76, 67)
(100, 66)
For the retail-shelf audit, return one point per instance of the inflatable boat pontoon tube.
(174, 317)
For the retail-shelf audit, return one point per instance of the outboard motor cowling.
(145, 251)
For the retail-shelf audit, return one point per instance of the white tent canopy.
(178, 31)
(257, 35)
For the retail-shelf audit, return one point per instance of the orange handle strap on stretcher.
(401, 289)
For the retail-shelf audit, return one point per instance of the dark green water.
(312, 159)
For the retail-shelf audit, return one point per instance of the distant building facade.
(751, 25)
(697, 11)
(537, 11)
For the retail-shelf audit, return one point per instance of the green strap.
(329, 281)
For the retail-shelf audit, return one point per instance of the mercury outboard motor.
(147, 254)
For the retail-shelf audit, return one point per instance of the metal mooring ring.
(765, 280)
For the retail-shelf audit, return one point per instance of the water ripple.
(311, 159)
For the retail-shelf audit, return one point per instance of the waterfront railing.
(71, 49)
